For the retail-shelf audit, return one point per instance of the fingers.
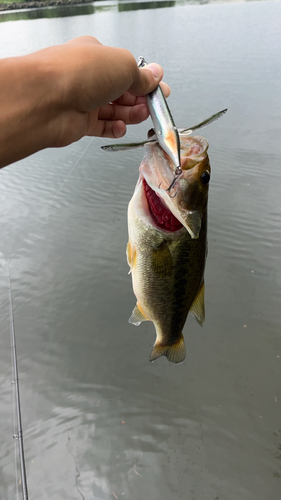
(130, 115)
(128, 99)
(104, 85)
(110, 129)
(147, 80)
(166, 89)
(104, 73)
(111, 120)
(118, 129)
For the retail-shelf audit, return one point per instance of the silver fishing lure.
(165, 129)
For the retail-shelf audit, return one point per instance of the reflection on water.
(82, 10)
(145, 5)
(103, 6)
(48, 12)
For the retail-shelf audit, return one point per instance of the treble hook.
(178, 172)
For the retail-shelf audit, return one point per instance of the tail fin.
(174, 353)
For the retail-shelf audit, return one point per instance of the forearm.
(29, 95)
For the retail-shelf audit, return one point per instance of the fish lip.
(200, 140)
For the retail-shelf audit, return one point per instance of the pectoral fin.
(161, 261)
(174, 353)
(198, 306)
(193, 223)
(137, 316)
(131, 256)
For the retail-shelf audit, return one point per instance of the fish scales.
(168, 291)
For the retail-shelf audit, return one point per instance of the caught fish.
(167, 244)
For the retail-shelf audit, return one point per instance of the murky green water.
(209, 428)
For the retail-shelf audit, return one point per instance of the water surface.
(209, 428)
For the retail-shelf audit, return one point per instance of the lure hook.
(178, 172)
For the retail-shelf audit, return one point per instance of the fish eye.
(205, 177)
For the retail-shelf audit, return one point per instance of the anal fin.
(137, 316)
(174, 353)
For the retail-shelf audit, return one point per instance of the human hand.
(103, 90)
(57, 95)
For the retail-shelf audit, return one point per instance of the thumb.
(147, 79)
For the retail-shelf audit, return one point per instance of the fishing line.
(15, 432)
(19, 433)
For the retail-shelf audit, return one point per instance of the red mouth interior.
(161, 215)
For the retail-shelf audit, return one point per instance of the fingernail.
(156, 69)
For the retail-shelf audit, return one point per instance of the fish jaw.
(149, 207)
(189, 198)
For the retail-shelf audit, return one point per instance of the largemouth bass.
(167, 244)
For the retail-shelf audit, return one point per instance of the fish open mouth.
(159, 212)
